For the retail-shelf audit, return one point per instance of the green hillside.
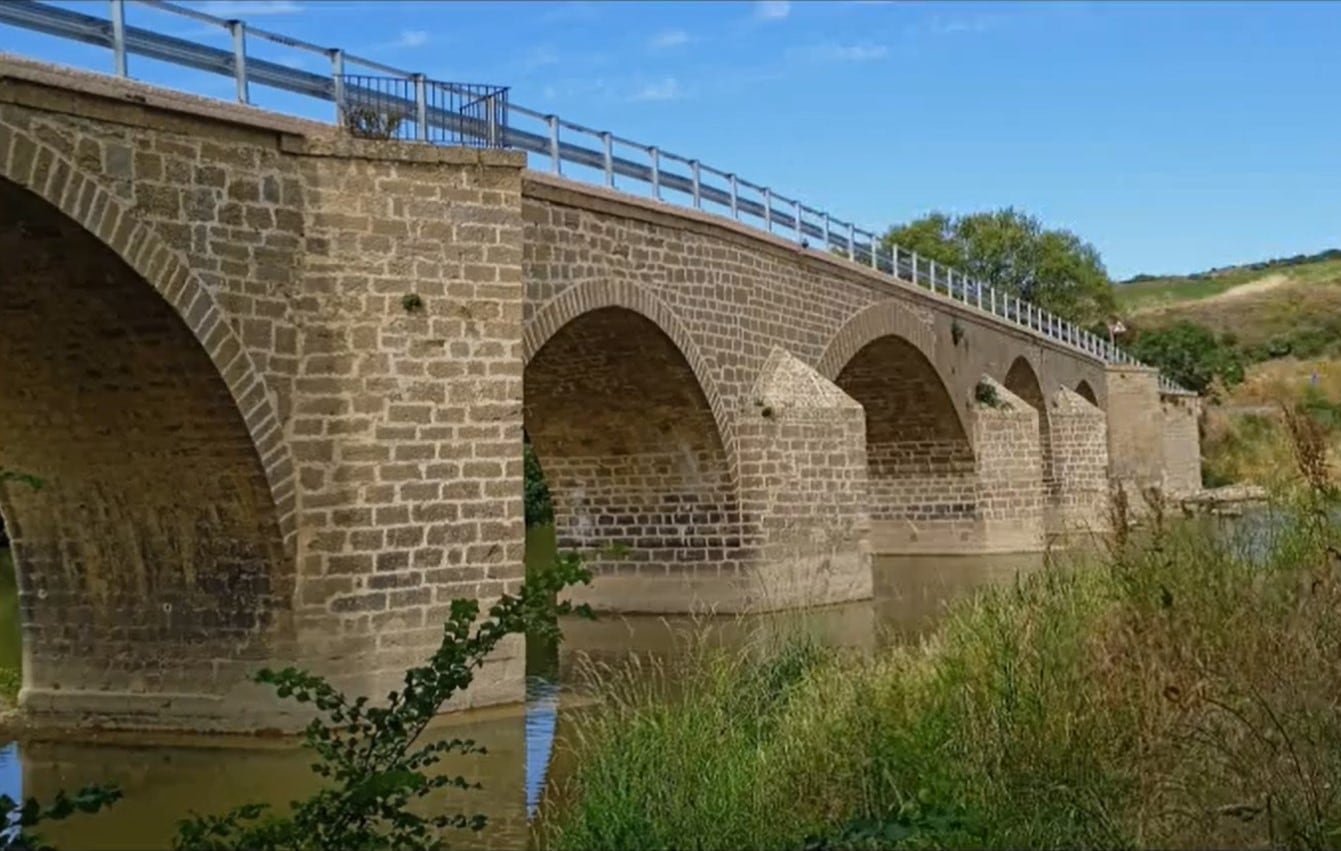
(1145, 291)
(1268, 310)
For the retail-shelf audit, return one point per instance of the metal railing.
(423, 110)
(440, 112)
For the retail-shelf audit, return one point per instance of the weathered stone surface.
(1181, 444)
(278, 379)
(255, 453)
(1080, 501)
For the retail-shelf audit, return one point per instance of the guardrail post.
(852, 242)
(697, 184)
(608, 157)
(768, 209)
(735, 196)
(491, 120)
(912, 259)
(338, 82)
(421, 107)
(655, 156)
(991, 299)
(826, 231)
(977, 288)
(800, 231)
(555, 162)
(239, 31)
(118, 15)
(875, 259)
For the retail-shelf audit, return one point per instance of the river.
(166, 777)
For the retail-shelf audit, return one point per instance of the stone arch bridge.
(257, 450)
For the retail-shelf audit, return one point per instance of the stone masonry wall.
(1182, 444)
(1135, 430)
(921, 464)
(734, 295)
(803, 473)
(407, 427)
(1023, 382)
(738, 293)
(1080, 453)
(151, 558)
(632, 456)
(1011, 496)
(389, 438)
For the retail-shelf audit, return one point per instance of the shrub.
(368, 754)
(539, 505)
(1189, 354)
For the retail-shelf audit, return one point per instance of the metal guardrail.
(437, 114)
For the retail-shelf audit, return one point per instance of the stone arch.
(1022, 380)
(153, 560)
(883, 319)
(584, 298)
(921, 472)
(625, 428)
(1086, 392)
(38, 168)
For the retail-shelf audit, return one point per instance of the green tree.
(1014, 252)
(539, 506)
(1190, 354)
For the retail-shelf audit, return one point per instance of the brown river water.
(167, 778)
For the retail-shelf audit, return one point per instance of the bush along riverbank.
(1178, 689)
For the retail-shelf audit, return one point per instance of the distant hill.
(1141, 290)
(1276, 308)
(1284, 318)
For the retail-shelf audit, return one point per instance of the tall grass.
(1179, 690)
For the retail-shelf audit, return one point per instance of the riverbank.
(1179, 691)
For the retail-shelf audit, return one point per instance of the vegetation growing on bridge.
(1178, 690)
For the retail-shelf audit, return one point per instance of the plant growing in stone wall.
(6, 476)
(367, 122)
(985, 393)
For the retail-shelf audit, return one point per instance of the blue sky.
(1174, 136)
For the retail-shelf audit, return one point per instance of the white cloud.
(539, 57)
(667, 88)
(840, 52)
(938, 25)
(412, 38)
(234, 9)
(668, 38)
(772, 10)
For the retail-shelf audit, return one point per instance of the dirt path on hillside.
(1262, 285)
(1252, 288)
